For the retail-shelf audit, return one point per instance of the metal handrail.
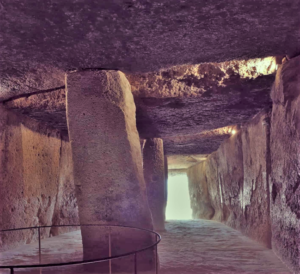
(82, 262)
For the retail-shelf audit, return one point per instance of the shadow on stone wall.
(36, 179)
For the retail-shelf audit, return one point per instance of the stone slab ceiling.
(183, 59)
(41, 39)
(192, 108)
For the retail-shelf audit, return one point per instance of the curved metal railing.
(82, 262)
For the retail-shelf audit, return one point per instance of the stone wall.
(253, 178)
(233, 181)
(215, 188)
(231, 177)
(36, 179)
(285, 164)
(256, 194)
(200, 201)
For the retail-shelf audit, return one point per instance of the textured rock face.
(184, 161)
(215, 188)
(66, 209)
(200, 202)
(107, 158)
(196, 80)
(285, 186)
(154, 173)
(231, 177)
(59, 36)
(237, 180)
(49, 108)
(193, 144)
(256, 193)
(35, 164)
(102, 123)
(243, 168)
(220, 95)
(192, 107)
(163, 117)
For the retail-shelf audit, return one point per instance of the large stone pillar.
(107, 159)
(154, 172)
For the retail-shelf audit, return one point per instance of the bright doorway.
(178, 203)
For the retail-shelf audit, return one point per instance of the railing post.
(156, 257)
(109, 250)
(135, 263)
(12, 271)
(40, 251)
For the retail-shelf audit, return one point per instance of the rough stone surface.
(256, 193)
(243, 171)
(107, 159)
(215, 188)
(196, 80)
(237, 180)
(185, 161)
(231, 178)
(154, 173)
(66, 209)
(187, 105)
(236, 101)
(136, 35)
(32, 170)
(285, 182)
(200, 202)
(163, 117)
(199, 143)
(49, 108)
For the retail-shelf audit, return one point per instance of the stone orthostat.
(154, 171)
(107, 159)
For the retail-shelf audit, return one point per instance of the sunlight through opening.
(178, 204)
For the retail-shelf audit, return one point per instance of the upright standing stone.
(255, 222)
(154, 171)
(285, 164)
(199, 195)
(107, 159)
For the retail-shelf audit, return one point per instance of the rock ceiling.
(192, 107)
(176, 55)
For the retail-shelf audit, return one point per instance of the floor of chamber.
(187, 247)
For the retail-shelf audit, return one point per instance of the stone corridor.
(187, 247)
(103, 102)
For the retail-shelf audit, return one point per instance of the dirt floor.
(202, 246)
(187, 247)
